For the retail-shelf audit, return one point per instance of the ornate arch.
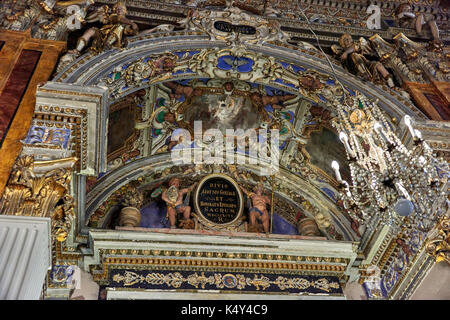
(158, 58)
(152, 171)
(196, 56)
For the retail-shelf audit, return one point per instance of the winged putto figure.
(354, 57)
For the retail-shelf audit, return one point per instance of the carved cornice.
(82, 112)
(209, 253)
(149, 13)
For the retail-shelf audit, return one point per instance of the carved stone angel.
(408, 19)
(49, 19)
(354, 58)
(116, 26)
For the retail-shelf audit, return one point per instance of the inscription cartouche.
(218, 199)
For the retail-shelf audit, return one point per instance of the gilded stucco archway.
(94, 95)
(148, 61)
(161, 58)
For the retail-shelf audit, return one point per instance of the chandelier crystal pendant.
(390, 185)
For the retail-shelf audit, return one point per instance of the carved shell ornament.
(172, 194)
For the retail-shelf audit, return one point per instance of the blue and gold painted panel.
(283, 283)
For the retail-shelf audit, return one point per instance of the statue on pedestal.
(115, 27)
(173, 197)
(258, 211)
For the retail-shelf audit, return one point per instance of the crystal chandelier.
(391, 185)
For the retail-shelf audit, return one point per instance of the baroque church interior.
(224, 149)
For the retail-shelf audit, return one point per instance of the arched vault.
(150, 68)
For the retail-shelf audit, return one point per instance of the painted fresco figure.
(352, 56)
(173, 197)
(179, 90)
(258, 212)
(275, 101)
(408, 19)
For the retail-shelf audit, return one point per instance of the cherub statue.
(173, 197)
(353, 58)
(258, 211)
(116, 26)
(408, 19)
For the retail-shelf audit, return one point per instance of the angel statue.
(116, 26)
(173, 197)
(353, 57)
(408, 19)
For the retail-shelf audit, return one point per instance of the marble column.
(25, 256)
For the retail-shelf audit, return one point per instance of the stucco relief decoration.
(143, 71)
(406, 250)
(41, 189)
(438, 246)
(45, 135)
(233, 62)
(236, 62)
(234, 26)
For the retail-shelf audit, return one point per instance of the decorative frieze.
(242, 282)
(438, 244)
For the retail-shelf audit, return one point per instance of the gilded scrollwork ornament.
(235, 26)
(223, 281)
(438, 246)
(41, 189)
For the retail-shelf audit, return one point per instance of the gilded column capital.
(41, 189)
(438, 246)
